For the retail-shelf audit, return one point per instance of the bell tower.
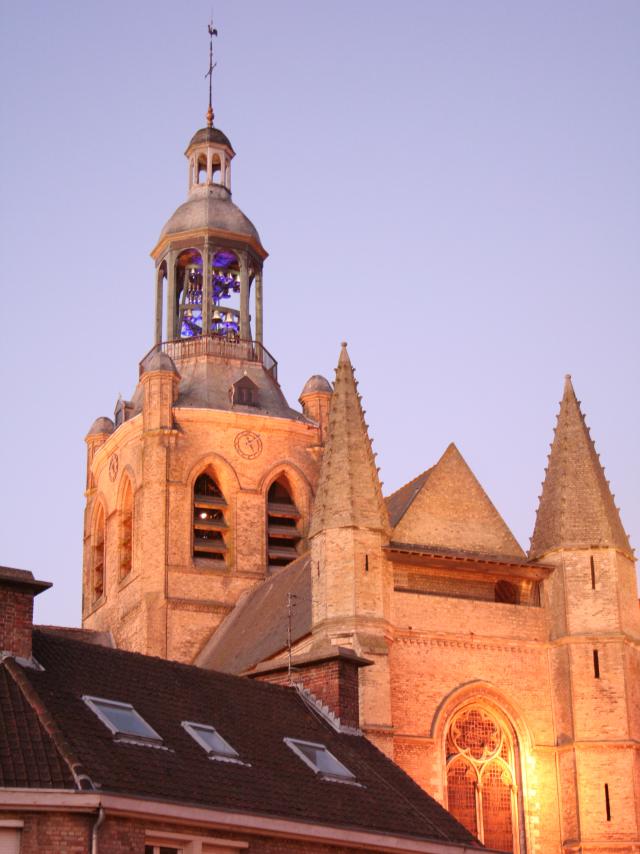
(202, 484)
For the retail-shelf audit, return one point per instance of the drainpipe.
(94, 831)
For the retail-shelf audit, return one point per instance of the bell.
(231, 318)
(217, 316)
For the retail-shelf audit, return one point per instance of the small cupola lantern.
(209, 257)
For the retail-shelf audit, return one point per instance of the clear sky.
(452, 187)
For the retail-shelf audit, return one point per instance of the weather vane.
(212, 32)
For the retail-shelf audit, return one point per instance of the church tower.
(202, 484)
(594, 653)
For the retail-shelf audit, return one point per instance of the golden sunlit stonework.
(218, 518)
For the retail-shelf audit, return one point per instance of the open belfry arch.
(219, 519)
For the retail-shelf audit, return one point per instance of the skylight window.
(210, 740)
(321, 760)
(123, 721)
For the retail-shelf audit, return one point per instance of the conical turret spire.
(349, 492)
(576, 507)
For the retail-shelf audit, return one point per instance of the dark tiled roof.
(254, 717)
(399, 501)
(28, 756)
(86, 635)
(256, 629)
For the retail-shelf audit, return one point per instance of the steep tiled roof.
(349, 493)
(28, 756)
(254, 717)
(399, 501)
(256, 629)
(446, 508)
(576, 507)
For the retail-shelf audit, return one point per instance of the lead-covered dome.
(316, 383)
(210, 135)
(100, 426)
(210, 207)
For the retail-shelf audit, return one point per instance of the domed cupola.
(209, 257)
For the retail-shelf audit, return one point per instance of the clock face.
(248, 445)
(113, 466)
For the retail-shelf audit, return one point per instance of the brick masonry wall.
(16, 620)
(162, 466)
(69, 833)
(334, 683)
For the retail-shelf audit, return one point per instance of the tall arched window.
(97, 555)
(283, 520)
(126, 530)
(481, 777)
(209, 522)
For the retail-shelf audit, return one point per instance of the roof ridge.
(408, 483)
(30, 694)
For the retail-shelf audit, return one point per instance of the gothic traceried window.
(209, 522)
(481, 777)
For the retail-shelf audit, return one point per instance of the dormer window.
(211, 741)
(123, 721)
(321, 761)
(244, 392)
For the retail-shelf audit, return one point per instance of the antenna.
(290, 606)
(212, 32)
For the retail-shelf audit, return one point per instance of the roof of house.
(49, 729)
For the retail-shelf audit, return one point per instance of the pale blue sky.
(453, 187)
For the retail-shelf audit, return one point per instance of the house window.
(162, 849)
(481, 777)
(123, 721)
(126, 531)
(10, 835)
(209, 521)
(98, 555)
(210, 740)
(320, 760)
(283, 520)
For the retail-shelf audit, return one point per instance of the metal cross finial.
(212, 32)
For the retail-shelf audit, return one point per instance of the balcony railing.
(223, 346)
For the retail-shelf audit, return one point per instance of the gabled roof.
(576, 507)
(399, 501)
(253, 717)
(445, 507)
(256, 629)
(28, 756)
(349, 492)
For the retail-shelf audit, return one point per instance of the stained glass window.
(481, 790)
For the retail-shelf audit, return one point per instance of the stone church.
(226, 528)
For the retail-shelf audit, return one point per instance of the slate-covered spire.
(349, 492)
(576, 506)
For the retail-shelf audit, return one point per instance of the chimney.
(17, 589)
(330, 675)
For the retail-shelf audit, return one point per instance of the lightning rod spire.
(212, 32)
